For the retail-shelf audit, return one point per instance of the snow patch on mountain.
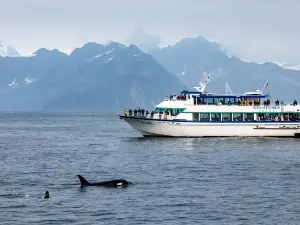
(108, 52)
(97, 56)
(13, 83)
(29, 80)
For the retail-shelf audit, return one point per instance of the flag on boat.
(267, 85)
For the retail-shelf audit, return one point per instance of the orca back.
(110, 183)
(83, 182)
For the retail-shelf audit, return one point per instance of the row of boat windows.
(172, 112)
(226, 101)
(244, 117)
(223, 116)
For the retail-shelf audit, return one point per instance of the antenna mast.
(228, 90)
(203, 84)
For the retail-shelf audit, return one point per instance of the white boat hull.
(149, 127)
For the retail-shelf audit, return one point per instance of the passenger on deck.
(152, 114)
(130, 112)
(125, 112)
(294, 103)
(143, 112)
(267, 102)
(135, 112)
(165, 115)
(159, 115)
(147, 113)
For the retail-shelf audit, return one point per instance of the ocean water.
(175, 181)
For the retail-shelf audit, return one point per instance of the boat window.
(248, 116)
(199, 101)
(156, 110)
(216, 117)
(210, 100)
(268, 116)
(237, 116)
(173, 112)
(293, 117)
(204, 116)
(196, 116)
(286, 117)
(277, 117)
(196, 100)
(226, 117)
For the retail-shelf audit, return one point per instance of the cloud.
(143, 40)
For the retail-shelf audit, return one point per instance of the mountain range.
(115, 76)
(191, 57)
(93, 77)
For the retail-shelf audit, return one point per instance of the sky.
(256, 30)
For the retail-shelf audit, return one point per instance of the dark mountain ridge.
(93, 77)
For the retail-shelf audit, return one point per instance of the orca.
(47, 195)
(110, 183)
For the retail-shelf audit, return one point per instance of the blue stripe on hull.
(192, 121)
(161, 136)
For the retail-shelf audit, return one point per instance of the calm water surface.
(176, 181)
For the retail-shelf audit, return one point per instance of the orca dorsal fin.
(83, 181)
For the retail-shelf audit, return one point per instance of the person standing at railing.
(294, 103)
(143, 112)
(125, 112)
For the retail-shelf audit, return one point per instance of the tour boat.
(201, 114)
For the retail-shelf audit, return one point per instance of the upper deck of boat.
(250, 102)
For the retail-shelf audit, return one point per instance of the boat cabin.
(199, 98)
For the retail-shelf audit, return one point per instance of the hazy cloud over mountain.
(260, 30)
(143, 40)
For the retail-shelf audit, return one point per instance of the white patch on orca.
(119, 184)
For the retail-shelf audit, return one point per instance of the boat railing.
(243, 104)
(153, 115)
